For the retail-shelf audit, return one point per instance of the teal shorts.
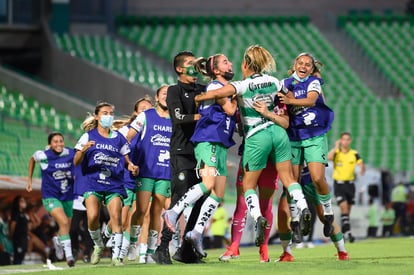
(313, 149)
(130, 198)
(271, 143)
(213, 155)
(309, 191)
(154, 186)
(52, 203)
(104, 197)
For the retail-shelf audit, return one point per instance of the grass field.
(379, 256)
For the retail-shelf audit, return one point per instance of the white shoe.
(51, 266)
(58, 248)
(149, 259)
(142, 259)
(310, 245)
(142, 253)
(132, 252)
(300, 245)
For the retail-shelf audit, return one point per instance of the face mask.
(190, 71)
(106, 121)
(228, 76)
(295, 76)
(163, 107)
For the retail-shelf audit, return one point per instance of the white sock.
(143, 249)
(96, 237)
(107, 231)
(135, 232)
(152, 241)
(116, 245)
(125, 245)
(206, 211)
(287, 246)
(67, 246)
(296, 193)
(326, 201)
(340, 245)
(252, 202)
(193, 194)
(294, 212)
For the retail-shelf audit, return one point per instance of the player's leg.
(238, 220)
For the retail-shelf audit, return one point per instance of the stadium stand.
(24, 126)
(388, 41)
(357, 109)
(108, 53)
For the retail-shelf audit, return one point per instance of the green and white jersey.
(258, 87)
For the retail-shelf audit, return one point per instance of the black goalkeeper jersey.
(182, 107)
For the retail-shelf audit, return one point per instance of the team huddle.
(174, 155)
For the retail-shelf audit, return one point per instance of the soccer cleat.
(300, 245)
(132, 252)
(296, 232)
(58, 248)
(351, 238)
(343, 256)
(229, 254)
(261, 224)
(285, 257)
(96, 255)
(177, 256)
(310, 245)
(149, 259)
(327, 225)
(305, 222)
(264, 254)
(117, 262)
(169, 221)
(196, 242)
(86, 259)
(70, 261)
(143, 259)
(161, 256)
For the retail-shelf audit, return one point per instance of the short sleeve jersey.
(258, 87)
(57, 173)
(344, 165)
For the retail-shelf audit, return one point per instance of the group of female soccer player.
(283, 124)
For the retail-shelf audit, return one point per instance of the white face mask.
(106, 121)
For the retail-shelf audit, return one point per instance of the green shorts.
(52, 203)
(309, 191)
(154, 186)
(313, 149)
(130, 198)
(104, 197)
(213, 155)
(271, 143)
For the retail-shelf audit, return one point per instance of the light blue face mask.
(106, 121)
(295, 76)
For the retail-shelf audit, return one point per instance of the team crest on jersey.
(213, 158)
(139, 124)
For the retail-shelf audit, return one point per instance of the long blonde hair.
(259, 60)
